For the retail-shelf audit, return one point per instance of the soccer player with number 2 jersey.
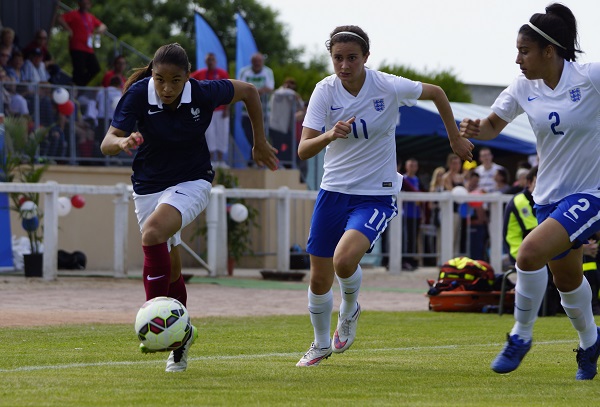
(562, 101)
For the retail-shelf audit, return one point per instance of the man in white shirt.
(487, 170)
(262, 77)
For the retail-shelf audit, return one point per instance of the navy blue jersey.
(174, 148)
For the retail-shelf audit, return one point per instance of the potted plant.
(20, 163)
(239, 240)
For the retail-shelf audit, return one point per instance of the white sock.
(578, 307)
(349, 288)
(320, 307)
(529, 294)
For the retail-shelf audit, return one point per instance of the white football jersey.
(566, 123)
(365, 162)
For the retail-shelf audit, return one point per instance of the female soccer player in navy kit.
(164, 114)
(358, 108)
(562, 100)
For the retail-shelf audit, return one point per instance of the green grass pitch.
(399, 358)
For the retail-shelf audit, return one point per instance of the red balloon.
(77, 201)
(67, 108)
(22, 199)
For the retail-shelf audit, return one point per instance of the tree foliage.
(455, 90)
(147, 24)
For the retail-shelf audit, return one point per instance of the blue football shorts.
(189, 198)
(579, 214)
(335, 213)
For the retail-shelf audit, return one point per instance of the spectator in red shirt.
(217, 134)
(119, 65)
(82, 25)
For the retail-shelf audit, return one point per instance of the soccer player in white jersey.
(357, 108)
(562, 100)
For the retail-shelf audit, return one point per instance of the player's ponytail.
(557, 27)
(139, 73)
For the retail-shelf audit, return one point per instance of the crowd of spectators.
(28, 76)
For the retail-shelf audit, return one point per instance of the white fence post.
(221, 238)
(50, 259)
(447, 226)
(212, 220)
(496, 216)
(121, 221)
(283, 229)
(395, 241)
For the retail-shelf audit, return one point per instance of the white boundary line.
(260, 356)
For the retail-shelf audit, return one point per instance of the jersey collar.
(153, 99)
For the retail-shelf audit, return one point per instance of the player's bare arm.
(117, 140)
(461, 146)
(313, 141)
(482, 129)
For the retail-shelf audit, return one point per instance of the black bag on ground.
(71, 261)
(299, 259)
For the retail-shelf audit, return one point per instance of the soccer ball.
(163, 324)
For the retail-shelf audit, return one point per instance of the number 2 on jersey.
(553, 126)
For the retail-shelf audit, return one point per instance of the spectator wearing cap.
(34, 68)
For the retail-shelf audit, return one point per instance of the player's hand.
(462, 147)
(342, 129)
(264, 154)
(469, 128)
(131, 143)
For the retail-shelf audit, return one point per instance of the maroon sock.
(177, 290)
(157, 270)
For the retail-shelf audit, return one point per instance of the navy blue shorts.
(579, 214)
(335, 213)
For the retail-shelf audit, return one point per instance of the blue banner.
(6, 255)
(245, 48)
(207, 41)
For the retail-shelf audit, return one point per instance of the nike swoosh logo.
(370, 227)
(337, 343)
(180, 193)
(351, 292)
(150, 112)
(149, 278)
(529, 98)
(336, 108)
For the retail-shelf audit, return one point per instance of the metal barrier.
(216, 216)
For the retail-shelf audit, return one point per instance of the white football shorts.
(189, 198)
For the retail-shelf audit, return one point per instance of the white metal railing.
(216, 214)
(51, 191)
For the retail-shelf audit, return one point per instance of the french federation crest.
(379, 105)
(195, 113)
(575, 94)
